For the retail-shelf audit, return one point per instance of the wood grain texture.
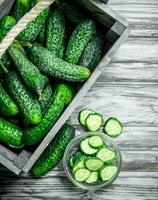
(126, 89)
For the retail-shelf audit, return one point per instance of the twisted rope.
(12, 34)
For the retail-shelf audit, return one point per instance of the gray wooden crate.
(116, 31)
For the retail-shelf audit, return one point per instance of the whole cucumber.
(10, 133)
(30, 33)
(28, 105)
(92, 52)
(54, 152)
(62, 96)
(30, 74)
(55, 31)
(48, 63)
(7, 106)
(79, 39)
(21, 7)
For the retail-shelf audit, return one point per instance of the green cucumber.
(78, 161)
(93, 178)
(28, 106)
(21, 7)
(83, 114)
(96, 141)
(42, 35)
(30, 74)
(108, 172)
(10, 134)
(55, 31)
(92, 52)
(78, 165)
(94, 164)
(113, 127)
(54, 66)
(7, 106)
(30, 33)
(79, 39)
(86, 148)
(82, 174)
(54, 152)
(61, 52)
(106, 155)
(61, 97)
(94, 122)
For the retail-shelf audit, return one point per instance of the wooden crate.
(116, 31)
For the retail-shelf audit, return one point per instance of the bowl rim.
(73, 143)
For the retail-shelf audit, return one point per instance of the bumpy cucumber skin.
(92, 52)
(61, 52)
(42, 35)
(79, 39)
(54, 152)
(28, 105)
(55, 31)
(54, 66)
(30, 74)
(30, 33)
(21, 8)
(59, 101)
(7, 106)
(45, 97)
(10, 134)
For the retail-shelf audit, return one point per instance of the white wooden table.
(128, 89)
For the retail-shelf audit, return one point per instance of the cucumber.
(32, 30)
(54, 66)
(55, 31)
(78, 165)
(96, 141)
(28, 106)
(78, 161)
(54, 152)
(42, 35)
(93, 178)
(78, 156)
(72, 11)
(10, 134)
(94, 122)
(82, 174)
(113, 127)
(83, 114)
(108, 172)
(92, 52)
(105, 155)
(45, 97)
(94, 164)
(79, 39)
(86, 148)
(61, 97)
(30, 74)
(21, 7)
(61, 52)
(7, 106)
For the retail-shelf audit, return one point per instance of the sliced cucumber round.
(86, 148)
(94, 164)
(71, 162)
(105, 155)
(108, 172)
(82, 174)
(78, 166)
(93, 178)
(113, 127)
(96, 141)
(83, 116)
(94, 122)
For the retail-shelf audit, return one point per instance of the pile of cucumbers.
(39, 72)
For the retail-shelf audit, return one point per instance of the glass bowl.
(74, 146)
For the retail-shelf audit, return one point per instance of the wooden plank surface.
(128, 90)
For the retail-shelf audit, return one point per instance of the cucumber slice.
(86, 148)
(71, 162)
(83, 116)
(78, 166)
(94, 164)
(93, 178)
(108, 172)
(94, 122)
(96, 141)
(113, 127)
(105, 155)
(82, 174)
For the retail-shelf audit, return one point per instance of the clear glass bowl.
(73, 147)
